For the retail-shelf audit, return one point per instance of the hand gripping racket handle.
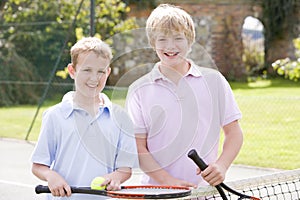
(83, 190)
(195, 157)
(202, 165)
(45, 189)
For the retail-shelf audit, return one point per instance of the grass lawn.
(271, 122)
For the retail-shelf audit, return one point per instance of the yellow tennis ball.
(96, 183)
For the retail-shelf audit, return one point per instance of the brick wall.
(218, 44)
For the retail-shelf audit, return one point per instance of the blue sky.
(252, 23)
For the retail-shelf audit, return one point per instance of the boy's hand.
(57, 185)
(111, 184)
(214, 174)
(113, 180)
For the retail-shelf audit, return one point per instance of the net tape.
(284, 185)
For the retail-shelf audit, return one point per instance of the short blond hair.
(88, 44)
(167, 18)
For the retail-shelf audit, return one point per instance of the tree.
(279, 19)
(36, 30)
(19, 70)
(110, 19)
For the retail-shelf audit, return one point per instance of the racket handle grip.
(42, 189)
(202, 165)
(195, 157)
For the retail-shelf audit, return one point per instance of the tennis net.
(284, 185)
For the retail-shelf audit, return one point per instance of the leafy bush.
(288, 68)
(20, 71)
(253, 56)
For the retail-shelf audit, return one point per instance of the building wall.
(226, 18)
(218, 44)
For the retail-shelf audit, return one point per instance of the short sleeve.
(231, 109)
(44, 151)
(133, 107)
(127, 151)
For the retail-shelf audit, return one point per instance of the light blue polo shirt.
(80, 147)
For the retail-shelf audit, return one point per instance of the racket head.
(150, 192)
(131, 192)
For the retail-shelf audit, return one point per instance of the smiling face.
(171, 32)
(90, 75)
(166, 18)
(172, 49)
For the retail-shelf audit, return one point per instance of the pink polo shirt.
(177, 118)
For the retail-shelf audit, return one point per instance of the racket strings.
(151, 192)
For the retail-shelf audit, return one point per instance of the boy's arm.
(152, 168)
(232, 143)
(215, 173)
(57, 185)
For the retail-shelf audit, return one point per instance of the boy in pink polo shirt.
(180, 106)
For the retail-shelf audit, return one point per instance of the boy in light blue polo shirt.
(85, 135)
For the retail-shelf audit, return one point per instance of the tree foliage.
(35, 31)
(280, 22)
(278, 17)
(20, 70)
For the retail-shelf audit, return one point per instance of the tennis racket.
(130, 192)
(202, 165)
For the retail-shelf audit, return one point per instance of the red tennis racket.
(130, 192)
(202, 165)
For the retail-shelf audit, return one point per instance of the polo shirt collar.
(67, 104)
(193, 71)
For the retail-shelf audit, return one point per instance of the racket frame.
(117, 194)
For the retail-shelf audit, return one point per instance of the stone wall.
(218, 44)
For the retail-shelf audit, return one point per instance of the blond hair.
(88, 44)
(168, 18)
